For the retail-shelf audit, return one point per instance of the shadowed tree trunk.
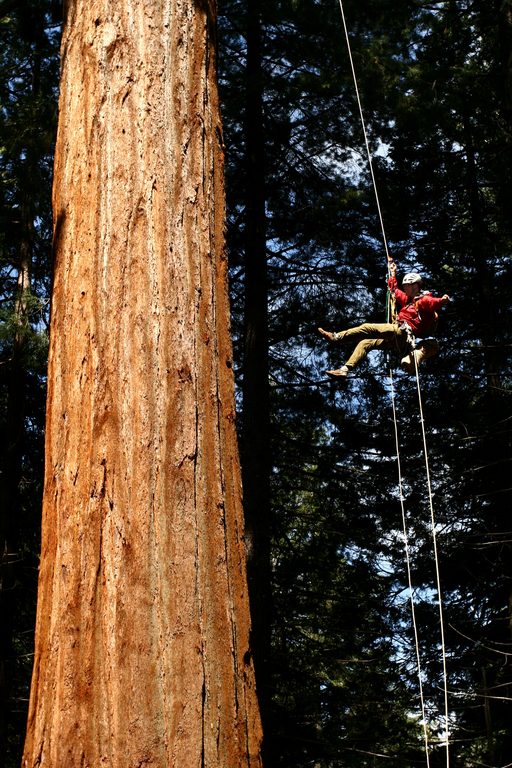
(142, 643)
(11, 474)
(13, 445)
(256, 459)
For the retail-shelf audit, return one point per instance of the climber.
(416, 315)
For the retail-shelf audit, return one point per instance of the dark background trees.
(28, 90)
(338, 682)
(433, 81)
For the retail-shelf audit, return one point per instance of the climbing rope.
(365, 134)
(425, 452)
(408, 570)
(433, 526)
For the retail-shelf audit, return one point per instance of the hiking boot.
(427, 348)
(328, 334)
(343, 372)
(407, 363)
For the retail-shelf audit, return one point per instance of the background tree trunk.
(142, 641)
(256, 447)
(11, 474)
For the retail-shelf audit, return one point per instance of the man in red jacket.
(416, 316)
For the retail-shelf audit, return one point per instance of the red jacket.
(420, 312)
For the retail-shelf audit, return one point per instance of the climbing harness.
(411, 339)
(414, 362)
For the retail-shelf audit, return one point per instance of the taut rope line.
(436, 560)
(409, 577)
(363, 125)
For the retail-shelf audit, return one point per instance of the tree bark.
(142, 642)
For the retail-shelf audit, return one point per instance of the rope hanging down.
(408, 570)
(425, 452)
(433, 525)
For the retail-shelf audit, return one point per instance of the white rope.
(436, 560)
(369, 154)
(400, 480)
(409, 576)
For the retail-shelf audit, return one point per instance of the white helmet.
(410, 278)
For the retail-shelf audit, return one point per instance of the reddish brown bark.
(142, 644)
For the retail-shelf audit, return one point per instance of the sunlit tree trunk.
(142, 643)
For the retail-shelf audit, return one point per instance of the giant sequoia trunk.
(142, 654)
